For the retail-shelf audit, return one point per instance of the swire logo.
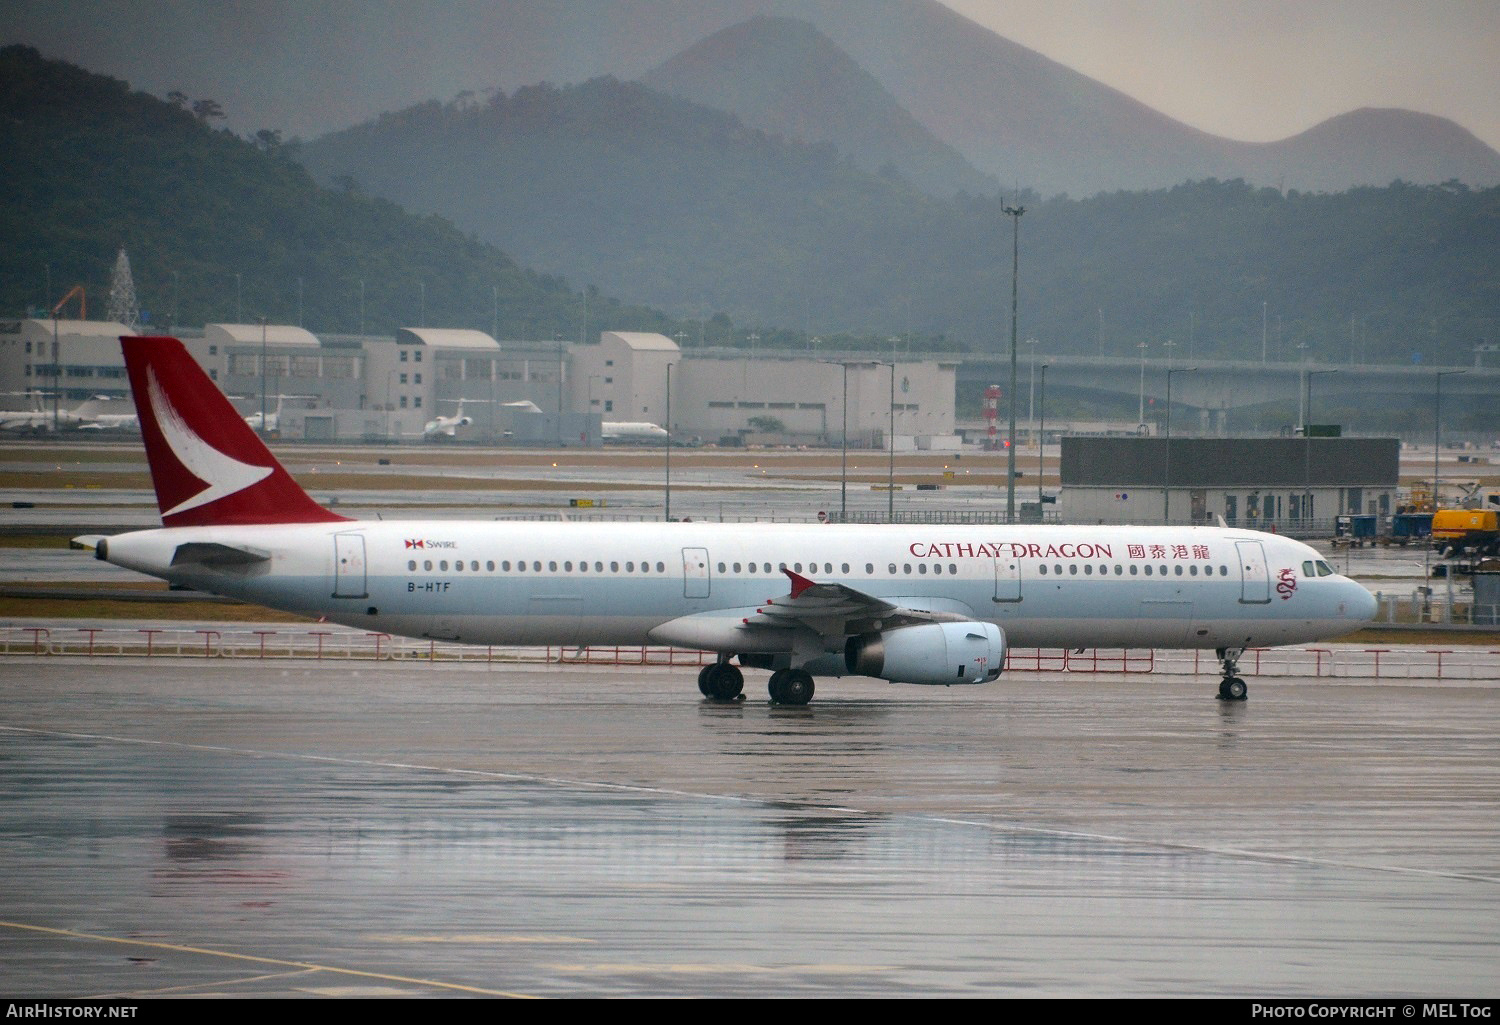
(418, 543)
(427, 542)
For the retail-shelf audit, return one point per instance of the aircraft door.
(1255, 579)
(695, 573)
(349, 566)
(1007, 578)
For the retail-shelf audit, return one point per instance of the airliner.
(447, 426)
(633, 432)
(919, 604)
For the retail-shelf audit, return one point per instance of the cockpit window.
(1324, 570)
(1307, 569)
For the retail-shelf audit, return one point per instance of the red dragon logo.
(1288, 584)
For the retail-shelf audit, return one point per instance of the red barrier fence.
(1473, 663)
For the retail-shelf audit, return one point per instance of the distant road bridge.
(1215, 387)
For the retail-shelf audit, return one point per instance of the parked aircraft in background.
(633, 433)
(273, 418)
(923, 604)
(101, 413)
(447, 426)
(37, 419)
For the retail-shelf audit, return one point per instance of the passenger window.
(443, 565)
(1042, 569)
(1133, 571)
(1148, 571)
(411, 564)
(598, 567)
(552, 567)
(869, 568)
(1088, 569)
(922, 568)
(1073, 569)
(614, 567)
(906, 569)
(893, 569)
(1177, 569)
(458, 566)
(661, 567)
(846, 567)
(567, 566)
(489, 566)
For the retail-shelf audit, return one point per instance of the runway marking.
(257, 959)
(477, 939)
(636, 788)
(718, 968)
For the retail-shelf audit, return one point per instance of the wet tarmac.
(230, 828)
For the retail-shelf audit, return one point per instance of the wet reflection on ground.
(304, 828)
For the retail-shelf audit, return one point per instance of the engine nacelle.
(934, 653)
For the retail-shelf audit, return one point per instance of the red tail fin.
(208, 466)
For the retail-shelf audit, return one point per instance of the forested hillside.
(219, 228)
(683, 207)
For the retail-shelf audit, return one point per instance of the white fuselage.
(700, 585)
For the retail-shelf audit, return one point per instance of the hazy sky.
(1254, 70)
(1260, 70)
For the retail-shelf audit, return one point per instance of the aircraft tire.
(703, 680)
(724, 681)
(794, 688)
(1232, 688)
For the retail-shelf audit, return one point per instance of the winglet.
(207, 465)
(799, 582)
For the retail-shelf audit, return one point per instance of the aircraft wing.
(838, 609)
(832, 611)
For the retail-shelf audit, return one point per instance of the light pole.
(262, 376)
(1141, 417)
(1307, 448)
(1014, 213)
(668, 426)
(843, 446)
(1041, 448)
(1437, 427)
(1166, 489)
(1437, 438)
(890, 479)
(1031, 401)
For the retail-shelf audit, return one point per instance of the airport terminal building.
(351, 388)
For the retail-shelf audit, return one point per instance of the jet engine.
(934, 653)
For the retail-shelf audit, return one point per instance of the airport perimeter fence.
(1435, 608)
(1354, 662)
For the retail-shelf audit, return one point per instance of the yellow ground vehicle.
(1472, 530)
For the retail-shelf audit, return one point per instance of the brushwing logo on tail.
(223, 474)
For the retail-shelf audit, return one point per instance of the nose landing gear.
(1231, 687)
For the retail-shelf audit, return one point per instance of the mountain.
(688, 209)
(1009, 111)
(1369, 145)
(647, 195)
(785, 77)
(220, 229)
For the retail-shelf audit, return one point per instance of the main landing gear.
(721, 681)
(791, 687)
(1231, 687)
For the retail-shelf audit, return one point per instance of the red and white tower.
(991, 411)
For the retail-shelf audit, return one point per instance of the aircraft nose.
(1360, 604)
